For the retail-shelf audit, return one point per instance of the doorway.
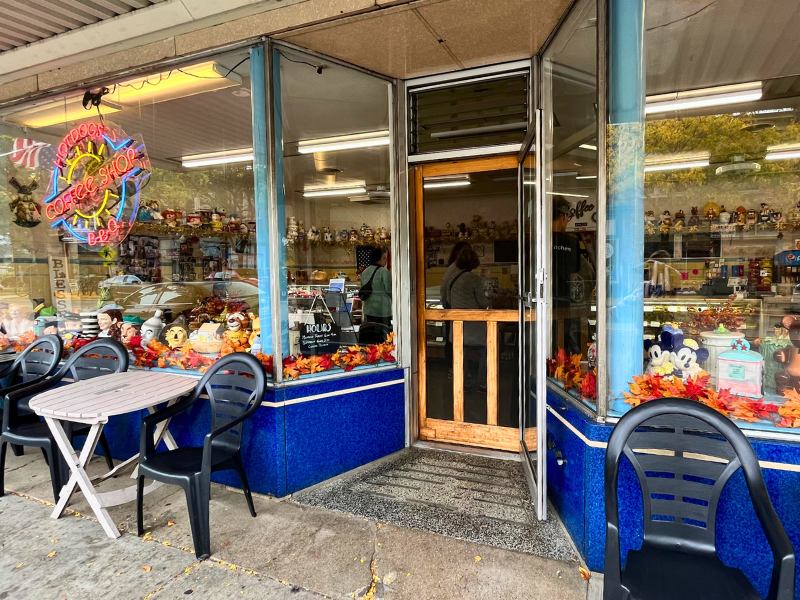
(468, 302)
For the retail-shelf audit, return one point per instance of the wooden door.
(468, 357)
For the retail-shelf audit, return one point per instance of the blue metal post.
(261, 175)
(280, 200)
(626, 102)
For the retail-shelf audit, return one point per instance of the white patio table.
(93, 401)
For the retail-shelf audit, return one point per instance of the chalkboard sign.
(319, 338)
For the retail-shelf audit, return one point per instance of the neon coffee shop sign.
(95, 183)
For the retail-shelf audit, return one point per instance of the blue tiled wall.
(577, 492)
(289, 447)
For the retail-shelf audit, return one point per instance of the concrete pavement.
(288, 551)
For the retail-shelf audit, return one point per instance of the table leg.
(79, 477)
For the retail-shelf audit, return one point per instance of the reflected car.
(121, 285)
(178, 298)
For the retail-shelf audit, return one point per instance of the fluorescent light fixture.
(446, 181)
(586, 177)
(217, 158)
(568, 195)
(447, 184)
(529, 182)
(369, 139)
(588, 147)
(334, 191)
(704, 98)
(783, 152)
(179, 82)
(675, 162)
(59, 112)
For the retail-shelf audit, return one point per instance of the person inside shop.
(467, 290)
(378, 280)
(451, 271)
(566, 264)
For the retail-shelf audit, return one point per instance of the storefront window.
(721, 214)
(333, 164)
(569, 102)
(129, 212)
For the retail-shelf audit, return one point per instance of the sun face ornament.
(95, 184)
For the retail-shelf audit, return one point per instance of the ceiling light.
(217, 158)
(586, 177)
(783, 152)
(529, 182)
(335, 191)
(179, 82)
(446, 184)
(369, 139)
(703, 98)
(588, 147)
(59, 112)
(567, 195)
(675, 162)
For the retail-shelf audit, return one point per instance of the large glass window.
(129, 213)
(334, 190)
(721, 261)
(569, 103)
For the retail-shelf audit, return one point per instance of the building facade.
(494, 225)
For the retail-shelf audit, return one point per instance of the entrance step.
(465, 496)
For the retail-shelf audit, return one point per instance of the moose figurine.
(24, 208)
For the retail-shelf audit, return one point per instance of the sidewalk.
(288, 551)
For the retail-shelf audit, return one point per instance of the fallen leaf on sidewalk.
(585, 573)
(20, 565)
(477, 558)
(147, 568)
(170, 523)
(51, 554)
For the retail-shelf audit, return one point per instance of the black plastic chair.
(101, 357)
(683, 454)
(234, 388)
(34, 364)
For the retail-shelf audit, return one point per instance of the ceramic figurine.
(686, 358)
(313, 234)
(176, 336)
(694, 217)
(237, 328)
(712, 216)
(741, 216)
(680, 217)
(24, 208)
(449, 232)
(591, 353)
(301, 232)
(740, 370)
(327, 235)
(383, 234)
(129, 334)
(342, 235)
(463, 232)
(171, 218)
(659, 356)
(789, 357)
(677, 226)
(193, 220)
(765, 214)
(353, 236)
(724, 216)
(291, 229)
(109, 319)
(151, 328)
(216, 222)
(493, 230)
(794, 216)
(255, 334)
(665, 222)
(366, 233)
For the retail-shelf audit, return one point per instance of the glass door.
(533, 398)
(468, 301)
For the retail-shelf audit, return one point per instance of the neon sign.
(95, 183)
